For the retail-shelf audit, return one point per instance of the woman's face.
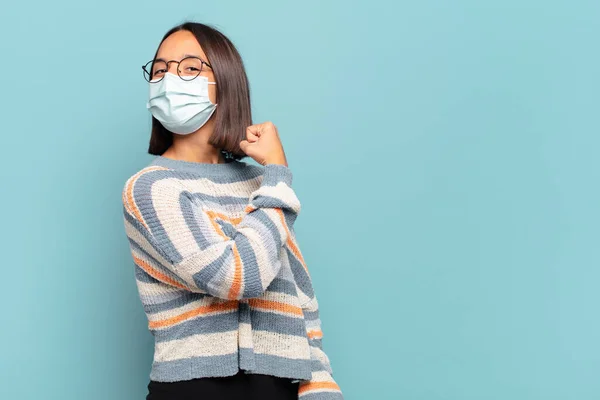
(183, 44)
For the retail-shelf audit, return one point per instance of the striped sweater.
(220, 274)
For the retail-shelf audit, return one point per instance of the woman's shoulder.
(149, 172)
(168, 175)
(137, 189)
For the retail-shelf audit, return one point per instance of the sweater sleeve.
(179, 240)
(321, 385)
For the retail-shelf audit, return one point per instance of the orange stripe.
(290, 242)
(227, 306)
(129, 190)
(131, 202)
(217, 228)
(306, 387)
(316, 334)
(276, 306)
(236, 286)
(214, 215)
(157, 274)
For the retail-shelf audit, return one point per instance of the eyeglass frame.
(202, 63)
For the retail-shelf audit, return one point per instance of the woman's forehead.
(179, 45)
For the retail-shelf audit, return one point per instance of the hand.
(263, 144)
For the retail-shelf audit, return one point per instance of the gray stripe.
(271, 322)
(247, 361)
(282, 367)
(211, 271)
(143, 232)
(318, 343)
(316, 365)
(148, 299)
(155, 263)
(234, 171)
(195, 367)
(219, 200)
(183, 299)
(311, 315)
(300, 276)
(290, 217)
(323, 396)
(275, 173)
(143, 276)
(228, 229)
(208, 324)
(266, 201)
(279, 285)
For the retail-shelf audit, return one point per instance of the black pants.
(238, 387)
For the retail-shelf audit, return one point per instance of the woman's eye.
(193, 69)
(160, 71)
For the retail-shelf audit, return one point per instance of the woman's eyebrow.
(184, 56)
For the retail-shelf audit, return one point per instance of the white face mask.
(181, 106)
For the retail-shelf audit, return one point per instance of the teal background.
(445, 153)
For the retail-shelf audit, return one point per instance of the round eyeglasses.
(187, 69)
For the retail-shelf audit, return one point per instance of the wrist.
(277, 160)
(275, 173)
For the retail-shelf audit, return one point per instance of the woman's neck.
(195, 147)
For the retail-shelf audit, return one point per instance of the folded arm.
(186, 243)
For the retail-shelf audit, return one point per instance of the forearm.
(236, 264)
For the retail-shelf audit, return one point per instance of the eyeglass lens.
(188, 69)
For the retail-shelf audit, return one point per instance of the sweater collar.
(228, 168)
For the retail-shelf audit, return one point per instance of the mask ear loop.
(212, 83)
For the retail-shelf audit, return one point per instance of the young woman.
(222, 280)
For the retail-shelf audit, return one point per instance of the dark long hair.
(233, 115)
